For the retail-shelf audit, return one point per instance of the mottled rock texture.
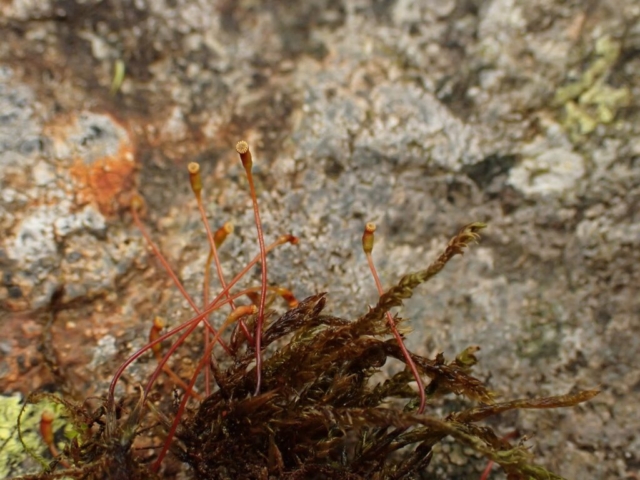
(420, 116)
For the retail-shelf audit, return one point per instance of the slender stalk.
(214, 305)
(196, 186)
(234, 316)
(157, 326)
(242, 148)
(487, 470)
(367, 246)
(207, 339)
(147, 347)
(156, 251)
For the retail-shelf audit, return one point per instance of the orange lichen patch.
(107, 182)
(98, 151)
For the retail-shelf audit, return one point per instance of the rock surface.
(419, 116)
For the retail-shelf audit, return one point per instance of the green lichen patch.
(12, 450)
(591, 101)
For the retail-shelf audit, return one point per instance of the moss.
(302, 402)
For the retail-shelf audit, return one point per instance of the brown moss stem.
(242, 148)
(367, 246)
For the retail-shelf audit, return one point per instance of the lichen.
(591, 101)
(12, 451)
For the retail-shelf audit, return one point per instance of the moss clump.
(317, 413)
